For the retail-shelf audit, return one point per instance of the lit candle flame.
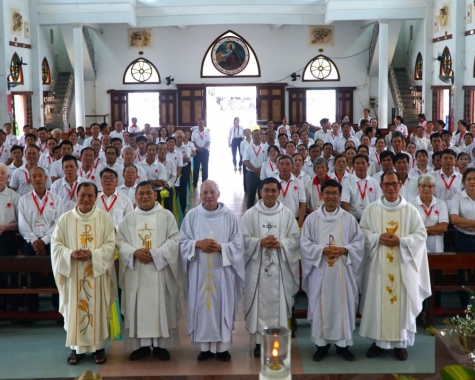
(275, 353)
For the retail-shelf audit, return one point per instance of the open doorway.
(321, 104)
(144, 105)
(223, 104)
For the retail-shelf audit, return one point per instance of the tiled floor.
(38, 351)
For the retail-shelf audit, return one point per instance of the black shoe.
(140, 353)
(401, 354)
(345, 352)
(321, 353)
(373, 351)
(205, 355)
(225, 356)
(161, 353)
(257, 351)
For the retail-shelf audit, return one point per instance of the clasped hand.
(270, 242)
(81, 254)
(143, 255)
(389, 240)
(39, 247)
(333, 252)
(208, 246)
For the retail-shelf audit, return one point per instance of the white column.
(36, 60)
(4, 65)
(427, 60)
(383, 86)
(458, 60)
(78, 65)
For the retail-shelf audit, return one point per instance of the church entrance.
(145, 107)
(321, 104)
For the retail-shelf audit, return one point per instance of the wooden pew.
(447, 262)
(15, 266)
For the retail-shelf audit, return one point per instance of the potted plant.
(464, 327)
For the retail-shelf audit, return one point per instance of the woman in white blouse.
(433, 212)
(269, 167)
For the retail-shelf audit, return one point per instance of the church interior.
(71, 63)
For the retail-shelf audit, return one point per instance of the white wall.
(179, 53)
(470, 49)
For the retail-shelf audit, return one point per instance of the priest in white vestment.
(150, 276)
(82, 254)
(271, 249)
(332, 248)
(396, 274)
(211, 249)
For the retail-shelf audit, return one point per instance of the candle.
(275, 354)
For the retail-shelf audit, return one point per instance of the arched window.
(230, 56)
(45, 72)
(418, 67)
(16, 70)
(446, 62)
(141, 71)
(320, 68)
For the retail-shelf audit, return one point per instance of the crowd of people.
(362, 215)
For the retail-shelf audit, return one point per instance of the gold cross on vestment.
(146, 236)
(86, 237)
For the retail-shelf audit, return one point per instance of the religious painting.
(16, 20)
(320, 36)
(436, 24)
(444, 16)
(469, 13)
(27, 29)
(140, 39)
(230, 55)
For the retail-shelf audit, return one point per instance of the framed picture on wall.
(16, 21)
(469, 14)
(140, 38)
(27, 29)
(319, 36)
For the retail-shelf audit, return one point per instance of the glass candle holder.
(275, 354)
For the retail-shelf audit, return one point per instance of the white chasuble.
(152, 300)
(391, 298)
(332, 285)
(391, 280)
(272, 275)
(214, 281)
(87, 288)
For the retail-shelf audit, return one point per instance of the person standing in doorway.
(234, 141)
(202, 140)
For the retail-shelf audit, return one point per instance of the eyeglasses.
(332, 193)
(390, 184)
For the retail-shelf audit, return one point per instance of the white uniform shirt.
(235, 133)
(304, 177)
(88, 140)
(11, 140)
(403, 129)
(77, 150)
(34, 225)
(340, 142)
(46, 161)
(457, 139)
(359, 193)
(331, 138)
(5, 152)
(201, 138)
(56, 169)
(119, 169)
(292, 193)
(117, 206)
(268, 169)
(184, 150)
(416, 172)
(409, 190)
(374, 157)
(67, 193)
(462, 205)
(154, 172)
(128, 192)
(42, 147)
(434, 214)
(8, 206)
(11, 170)
(120, 135)
(139, 158)
(191, 146)
(308, 167)
(447, 188)
(21, 141)
(21, 180)
(171, 172)
(255, 154)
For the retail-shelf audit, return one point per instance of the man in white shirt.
(116, 205)
(20, 181)
(184, 179)
(8, 226)
(47, 158)
(171, 169)
(418, 138)
(4, 149)
(339, 145)
(333, 134)
(95, 132)
(202, 140)
(360, 190)
(236, 133)
(141, 152)
(10, 139)
(365, 116)
(38, 212)
(129, 157)
(133, 128)
(17, 155)
(26, 130)
(409, 188)
(400, 126)
(457, 139)
(127, 189)
(323, 132)
(386, 159)
(56, 170)
(155, 171)
(112, 162)
(117, 144)
(66, 187)
(81, 135)
(119, 132)
(292, 193)
(448, 181)
(42, 137)
(254, 156)
(87, 169)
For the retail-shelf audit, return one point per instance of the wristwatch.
(345, 252)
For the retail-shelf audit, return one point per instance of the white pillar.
(383, 86)
(78, 65)
(458, 61)
(36, 60)
(427, 60)
(4, 65)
